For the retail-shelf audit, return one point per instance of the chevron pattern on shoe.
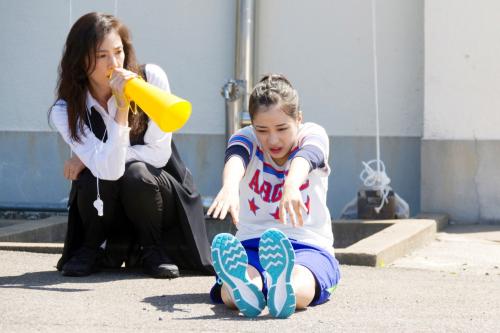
(230, 262)
(277, 257)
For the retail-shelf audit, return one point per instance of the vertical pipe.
(238, 90)
(244, 47)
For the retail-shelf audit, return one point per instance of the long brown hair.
(79, 58)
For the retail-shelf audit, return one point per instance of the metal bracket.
(233, 90)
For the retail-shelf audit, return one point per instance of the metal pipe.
(245, 47)
(237, 90)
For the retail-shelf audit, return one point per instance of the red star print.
(253, 206)
(308, 204)
(276, 214)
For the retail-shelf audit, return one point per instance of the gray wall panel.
(31, 166)
(325, 48)
(32, 34)
(460, 177)
(401, 156)
(193, 41)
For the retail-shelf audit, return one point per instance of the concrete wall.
(323, 46)
(186, 38)
(192, 40)
(461, 119)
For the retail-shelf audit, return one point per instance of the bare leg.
(304, 285)
(254, 277)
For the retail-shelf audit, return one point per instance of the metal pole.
(237, 90)
(245, 47)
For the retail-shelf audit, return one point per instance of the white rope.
(116, 9)
(376, 178)
(98, 203)
(375, 79)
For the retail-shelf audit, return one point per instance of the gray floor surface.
(451, 285)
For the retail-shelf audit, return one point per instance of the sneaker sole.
(230, 262)
(277, 257)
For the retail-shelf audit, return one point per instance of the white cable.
(70, 15)
(375, 79)
(98, 203)
(376, 178)
(116, 8)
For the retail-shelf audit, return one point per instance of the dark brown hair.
(79, 58)
(274, 89)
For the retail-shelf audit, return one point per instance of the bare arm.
(228, 198)
(291, 201)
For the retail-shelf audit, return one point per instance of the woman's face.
(109, 55)
(276, 131)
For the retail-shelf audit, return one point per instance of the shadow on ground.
(171, 303)
(51, 280)
(178, 303)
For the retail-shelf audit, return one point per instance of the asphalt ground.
(430, 290)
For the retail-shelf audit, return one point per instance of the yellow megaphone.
(168, 111)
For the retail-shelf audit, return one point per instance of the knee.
(255, 276)
(138, 177)
(304, 284)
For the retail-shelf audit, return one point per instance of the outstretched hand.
(291, 204)
(228, 200)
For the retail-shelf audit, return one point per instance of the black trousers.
(135, 204)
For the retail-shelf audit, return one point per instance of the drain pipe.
(237, 90)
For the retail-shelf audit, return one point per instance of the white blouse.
(106, 160)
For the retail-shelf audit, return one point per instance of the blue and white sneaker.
(277, 257)
(230, 262)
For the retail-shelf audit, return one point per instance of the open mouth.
(275, 151)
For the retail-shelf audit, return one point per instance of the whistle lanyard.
(98, 203)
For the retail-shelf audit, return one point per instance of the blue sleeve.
(313, 155)
(239, 151)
